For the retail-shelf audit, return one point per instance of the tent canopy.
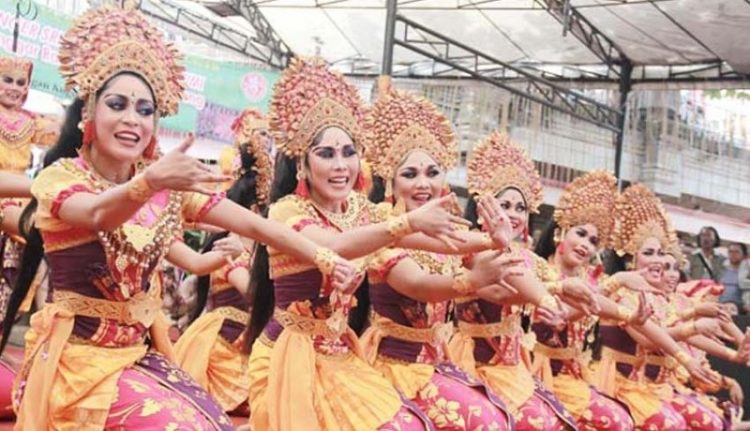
(662, 39)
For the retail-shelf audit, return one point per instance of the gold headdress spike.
(109, 40)
(639, 215)
(243, 128)
(13, 65)
(309, 98)
(497, 163)
(589, 199)
(401, 122)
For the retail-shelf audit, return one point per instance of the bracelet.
(548, 301)
(554, 287)
(325, 260)
(139, 190)
(688, 314)
(399, 226)
(461, 283)
(688, 329)
(487, 242)
(625, 314)
(683, 358)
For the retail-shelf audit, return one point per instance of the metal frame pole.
(626, 70)
(390, 31)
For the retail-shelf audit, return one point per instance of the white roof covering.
(521, 32)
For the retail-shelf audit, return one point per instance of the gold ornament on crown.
(243, 127)
(401, 122)
(309, 98)
(639, 215)
(109, 40)
(497, 163)
(589, 199)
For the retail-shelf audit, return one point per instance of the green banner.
(216, 91)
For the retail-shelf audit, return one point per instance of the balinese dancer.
(106, 214)
(411, 147)
(582, 223)
(633, 368)
(490, 342)
(305, 367)
(211, 348)
(19, 130)
(701, 411)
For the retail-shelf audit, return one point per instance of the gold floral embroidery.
(150, 407)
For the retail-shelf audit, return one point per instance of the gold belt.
(559, 353)
(234, 314)
(439, 333)
(507, 328)
(305, 325)
(142, 308)
(655, 360)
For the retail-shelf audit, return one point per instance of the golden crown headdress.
(109, 40)
(497, 163)
(309, 98)
(12, 64)
(243, 128)
(589, 199)
(401, 122)
(639, 215)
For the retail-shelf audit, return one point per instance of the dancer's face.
(671, 272)
(418, 180)
(512, 202)
(332, 166)
(124, 119)
(578, 245)
(651, 256)
(14, 86)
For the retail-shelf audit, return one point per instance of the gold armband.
(139, 190)
(461, 283)
(325, 260)
(683, 358)
(398, 227)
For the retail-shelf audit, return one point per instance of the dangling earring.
(446, 190)
(526, 234)
(561, 248)
(89, 133)
(301, 190)
(389, 193)
(360, 184)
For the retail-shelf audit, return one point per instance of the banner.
(216, 91)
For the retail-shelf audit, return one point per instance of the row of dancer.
(466, 328)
